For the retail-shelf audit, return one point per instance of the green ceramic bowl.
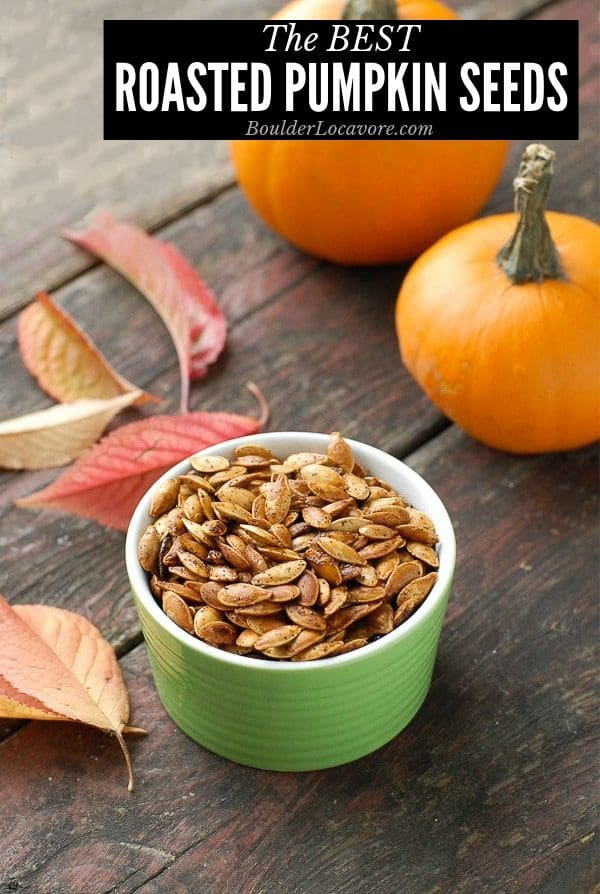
(288, 715)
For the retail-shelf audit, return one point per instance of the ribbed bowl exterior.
(322, 717)
(298, 715)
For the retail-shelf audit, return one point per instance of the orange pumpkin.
(507, 343)
(366, 201)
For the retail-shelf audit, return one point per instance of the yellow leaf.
(55, 436)
(55, 665)
(63, 358)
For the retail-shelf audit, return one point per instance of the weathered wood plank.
(299, 329)
(54, 165)
(510, 9)
(248, 267)
(317, 327)
(559, 858)
(488, 790)
(586, 11)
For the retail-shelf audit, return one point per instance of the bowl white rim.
(439, 516)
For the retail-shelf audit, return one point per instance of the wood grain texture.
(491, 788)
(54, 166)
(488, 790)
(293, 330)
(303, 330)
(508, 9)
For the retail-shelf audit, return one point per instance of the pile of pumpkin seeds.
(295, 559)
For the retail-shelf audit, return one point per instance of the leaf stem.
(125, 751)
(265, 410)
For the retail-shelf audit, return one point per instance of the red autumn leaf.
(176, 291)
(107, 482)
(55, 665)
(64, 360)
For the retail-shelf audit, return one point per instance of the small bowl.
(298, 715)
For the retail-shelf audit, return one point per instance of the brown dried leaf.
(54, 665)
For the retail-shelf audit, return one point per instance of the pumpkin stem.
(530, 255)
(370, 9)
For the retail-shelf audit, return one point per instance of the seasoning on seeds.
(296, 559)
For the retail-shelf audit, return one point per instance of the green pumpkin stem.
(530, 254)
(369, 9)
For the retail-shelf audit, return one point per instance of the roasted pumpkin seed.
(277, 637)
(339, 452)
(163, 497)
(177, 610)
(294, 559)
(341, 551)
(305, 617)
(424, 553)
(238, 595)
(209, 464)
(284, 573)
(218, 633)
(149, 549)
(402, 575)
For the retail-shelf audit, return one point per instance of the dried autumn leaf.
(107, 483)
(55, 665)
(176, 291)
(64, 360)
(55, 436)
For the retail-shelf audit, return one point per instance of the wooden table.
(491, 788)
